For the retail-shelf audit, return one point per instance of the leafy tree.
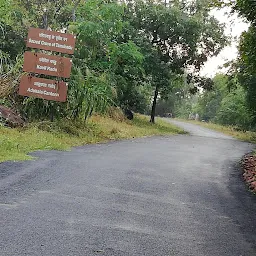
(225, 104)
(233, 110)
(209, 102)
(245, 66)
(99, 26)
(180, 37)
(247, 59)
(126, 50)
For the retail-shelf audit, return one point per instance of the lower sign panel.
(43, 88)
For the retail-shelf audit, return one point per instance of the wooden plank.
(51, 40)
(47, 64)
(43, 88)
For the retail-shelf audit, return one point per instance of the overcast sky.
(234, 27)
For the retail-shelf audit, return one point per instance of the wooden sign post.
(51, 65)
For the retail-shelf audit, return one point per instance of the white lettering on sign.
(33, 41)
(60, 38)
(46, 68)
(45, 36)
(57, 45)
(52, 69)
(46, 43)
(38, 84)
(56, 38)
(41, 67)
(53, 94)
(54, 62)
(52, 86)
(45, 60)
(39, 42)
(64, 46)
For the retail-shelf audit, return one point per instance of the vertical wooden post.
(45, 26)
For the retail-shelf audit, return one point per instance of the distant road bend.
(161, 196)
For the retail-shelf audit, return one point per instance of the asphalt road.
(179, 195)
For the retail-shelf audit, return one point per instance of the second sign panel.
(47, 64)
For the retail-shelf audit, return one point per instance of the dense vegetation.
(232, 100)
(129, 54)
(226, 104)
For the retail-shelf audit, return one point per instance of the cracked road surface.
(175, 195)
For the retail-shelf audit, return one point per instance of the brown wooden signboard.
(47, 64)
(51, 41)
(43, 88)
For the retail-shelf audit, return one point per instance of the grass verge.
(15, 144)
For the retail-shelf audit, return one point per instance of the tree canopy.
(128, 53)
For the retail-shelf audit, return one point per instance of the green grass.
(15, 144)
(228, 130)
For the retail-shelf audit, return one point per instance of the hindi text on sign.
(47, 64)
(43, 88)
(51, 41)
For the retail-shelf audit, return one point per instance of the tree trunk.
(153, 111)
(45, 19)
(74, 10)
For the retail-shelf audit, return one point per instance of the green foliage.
(99, 26)
(247, 67)
(233, 110)
(246, 64)
(176, 36)
(125, 51)
(209, 102)
(246, 8)
(89, 93)
(225, 104)
(12, 42)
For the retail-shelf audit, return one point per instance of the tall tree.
(247, 52)
(181, 36)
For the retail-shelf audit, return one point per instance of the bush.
(233, 110)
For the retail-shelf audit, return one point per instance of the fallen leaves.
(249, 167)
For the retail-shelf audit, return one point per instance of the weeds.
(15, 144)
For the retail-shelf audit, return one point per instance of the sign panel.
(47, 64)
(43, 88)
(51, 41)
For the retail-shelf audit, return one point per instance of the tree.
(225, 104)
(125, 52)
(233, 110)
(247, 53)
(100, 27)
(209, 101)
(180, 36)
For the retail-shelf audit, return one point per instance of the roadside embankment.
(16, 144)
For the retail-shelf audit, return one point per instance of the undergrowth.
(16, 144)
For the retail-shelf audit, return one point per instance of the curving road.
(179, 195)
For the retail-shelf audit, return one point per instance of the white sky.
(234, 27)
